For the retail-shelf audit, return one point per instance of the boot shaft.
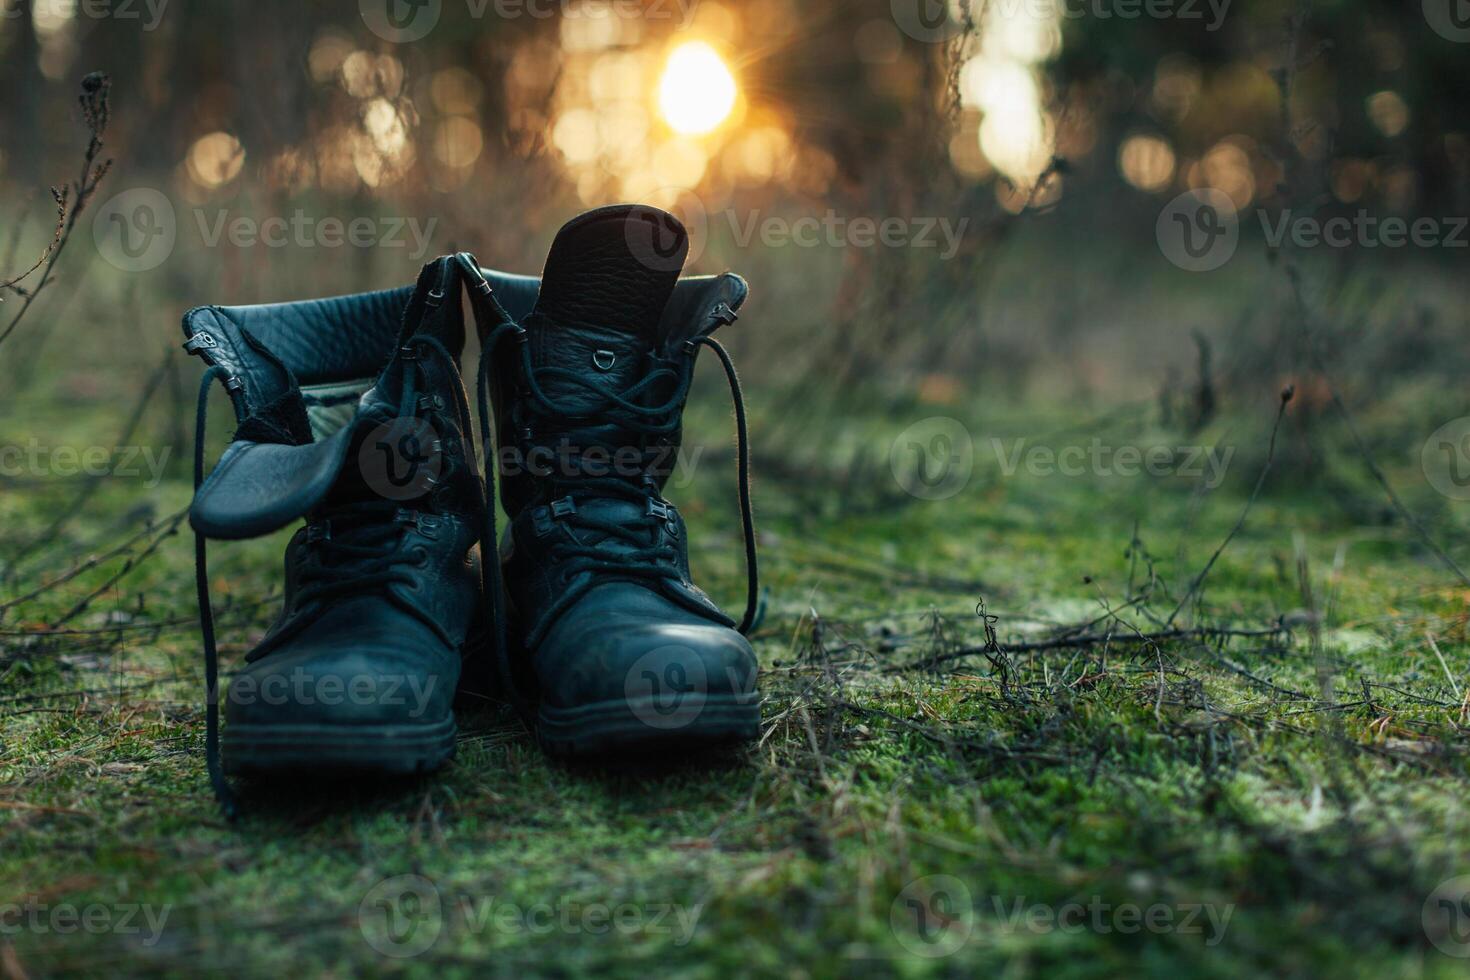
(293, 371)
(595, 385)
(352, 415)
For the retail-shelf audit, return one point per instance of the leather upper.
(381, 590)
(346, 338)
(269, 351)
(595, 560)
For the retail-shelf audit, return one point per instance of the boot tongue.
(607, 279)
(391, 452)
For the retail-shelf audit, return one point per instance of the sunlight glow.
(215, 159)
(1147, 162)
(697, 91)
(1002, 80)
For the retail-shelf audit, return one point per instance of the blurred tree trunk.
(23, 87)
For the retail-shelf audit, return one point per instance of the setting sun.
(696, 91)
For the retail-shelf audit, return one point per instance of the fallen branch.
(170, 528)
(1079, 641)
(90, 563)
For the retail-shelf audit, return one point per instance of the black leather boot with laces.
(612, 647)
(352, 415)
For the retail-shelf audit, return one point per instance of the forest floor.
(1268, 779)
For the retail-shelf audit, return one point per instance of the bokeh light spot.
(697, 90)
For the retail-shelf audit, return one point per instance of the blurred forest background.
(1049, 135)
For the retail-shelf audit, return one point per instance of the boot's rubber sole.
(399, 750)
(606, 728)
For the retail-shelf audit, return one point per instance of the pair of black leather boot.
(352, 415)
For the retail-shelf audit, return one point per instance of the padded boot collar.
(321, 341)
(274, 472)
(698, 305)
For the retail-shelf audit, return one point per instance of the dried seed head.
(96, 107)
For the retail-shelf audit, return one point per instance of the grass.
(1200, 806)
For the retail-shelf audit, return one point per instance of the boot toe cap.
(385, 679)
(663, 665)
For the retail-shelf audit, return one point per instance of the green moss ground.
(1283, 804)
